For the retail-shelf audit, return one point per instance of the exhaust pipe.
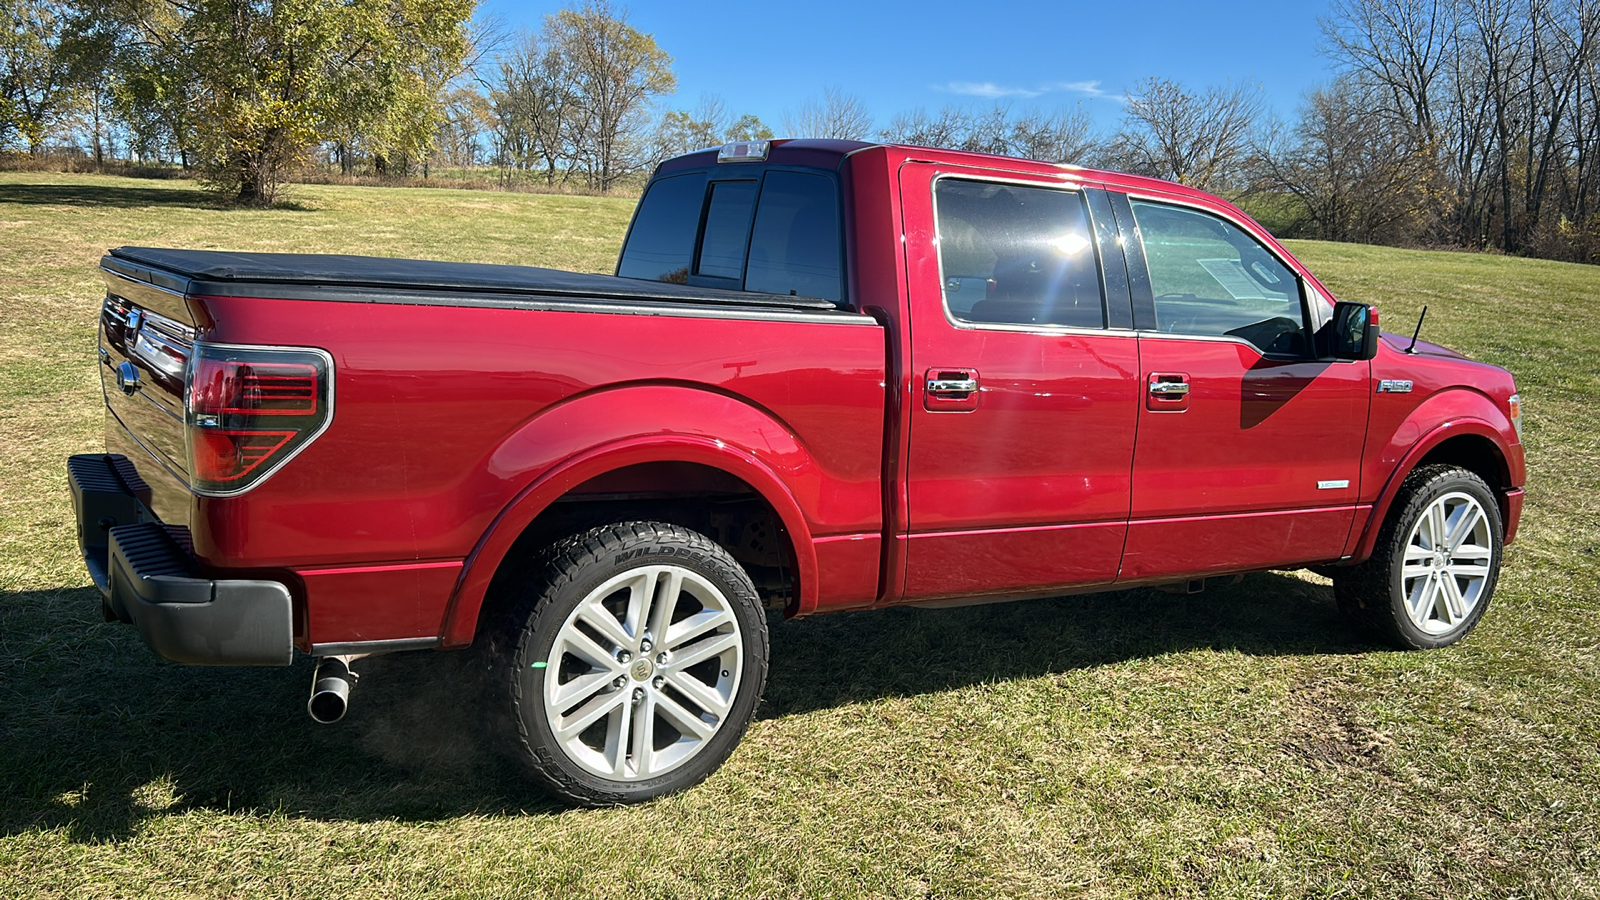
(330, 689)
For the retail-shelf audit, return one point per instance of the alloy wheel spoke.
(705, 650)
(682, 719)
(1454, 604)
(1423, 597)
(585, 648)
(665, 599)
(600, 619)
(641, 596)
(617, 734)
(1472, 519)
(700, 692)
(695, 626)
(1436, 526)
(588, 714)
(580, 688)
(1471, 570)
(644, 735)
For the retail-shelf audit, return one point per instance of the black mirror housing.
(1352, 333)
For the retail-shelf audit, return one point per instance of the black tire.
(1374, 594)
(544, 607)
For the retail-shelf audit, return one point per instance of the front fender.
(607, 430)
(1443, 416)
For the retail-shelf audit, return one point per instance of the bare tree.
(1351, 174)
(1065, 135)
(837, 115)
(616, 71)
(1059, 136)
(1198, 139)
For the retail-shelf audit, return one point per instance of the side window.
(794, 246)
(1212, 278)
(1017, 255)
(662, 238)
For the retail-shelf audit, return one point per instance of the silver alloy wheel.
(1449, 558)
(643, 672)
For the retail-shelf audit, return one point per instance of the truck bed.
(375, 278)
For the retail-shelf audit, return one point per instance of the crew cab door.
(1024, 394)
(1249, 447)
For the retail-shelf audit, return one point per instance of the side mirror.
(1351, 334)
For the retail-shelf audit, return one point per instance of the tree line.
(1472, 123)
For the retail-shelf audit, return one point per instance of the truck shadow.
(97, 736)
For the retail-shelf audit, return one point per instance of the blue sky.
(766, 57)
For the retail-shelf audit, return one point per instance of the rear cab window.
(771, 230)
(1013, 254)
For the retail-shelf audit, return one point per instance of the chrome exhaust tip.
(330, 689)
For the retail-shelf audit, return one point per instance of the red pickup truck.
(826, 375)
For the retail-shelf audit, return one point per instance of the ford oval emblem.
(128, 378)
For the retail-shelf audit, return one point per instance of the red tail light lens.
(250, 409)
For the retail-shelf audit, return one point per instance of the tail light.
(249, 410)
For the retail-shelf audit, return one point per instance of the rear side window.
(1017, 255)
(780, 234)
(662, 239)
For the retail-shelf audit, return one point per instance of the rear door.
(1249, 448)
(1025, 393)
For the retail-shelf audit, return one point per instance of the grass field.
(1240, 742)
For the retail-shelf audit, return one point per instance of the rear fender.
(600, 432)
(1444, 416)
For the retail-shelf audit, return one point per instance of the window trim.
(1310, 321)
(1035, 328)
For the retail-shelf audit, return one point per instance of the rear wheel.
(635, 661)
(1435, 565)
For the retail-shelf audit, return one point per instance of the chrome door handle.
(952, 385)
(1169, 387)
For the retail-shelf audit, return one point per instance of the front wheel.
(1434, 568)
(639, 655)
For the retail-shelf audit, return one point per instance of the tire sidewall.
(551, 614)
(1456, 481)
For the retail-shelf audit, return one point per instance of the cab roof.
(831, 154)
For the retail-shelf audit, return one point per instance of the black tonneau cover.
(317, 270)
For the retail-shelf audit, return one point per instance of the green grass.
(1239, 742)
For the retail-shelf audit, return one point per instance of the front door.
(1025, 395)
(1249, 448)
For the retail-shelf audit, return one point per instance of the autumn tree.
(707, 125)
(262, 81)
(38, 71)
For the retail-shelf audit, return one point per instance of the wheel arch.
(1470, 443)
(706, 435)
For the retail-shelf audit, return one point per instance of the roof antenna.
(1413, 347)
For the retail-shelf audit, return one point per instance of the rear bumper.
(147, 576)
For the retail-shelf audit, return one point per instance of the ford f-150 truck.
(826, 375)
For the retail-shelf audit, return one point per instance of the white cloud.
(989, 90)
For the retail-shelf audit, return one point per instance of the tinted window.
(1210, 277)
(794, 247)
(1017, 255)
(727, 229)
(662, 239)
